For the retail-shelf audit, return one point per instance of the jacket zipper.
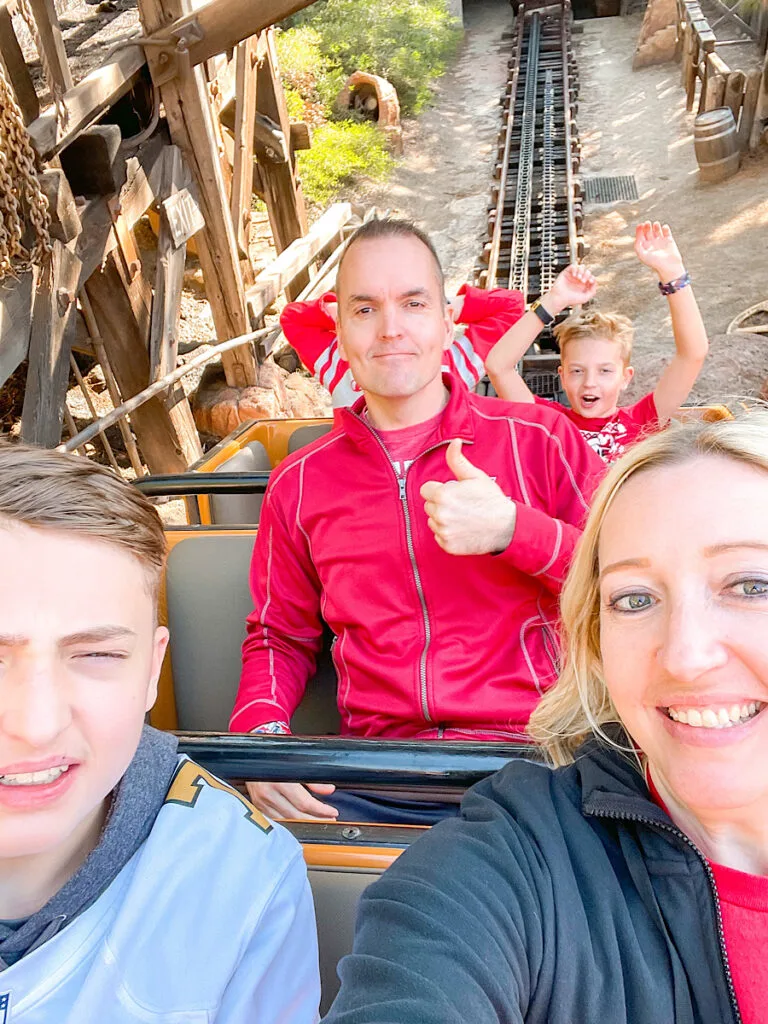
(401, 480)
(713, 888)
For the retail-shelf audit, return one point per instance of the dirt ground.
(636, 123)
(444, 179)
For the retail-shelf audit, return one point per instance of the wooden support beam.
(15, 322)
(165, 430)
(749, 109)
(50, 343)
(220, 25)
(245, 122)
(734, 92)
(187, 108)
(15, 66)
(52, 42)
(169, 278)
(86, 102)
(282, 192)
(713, 93)
(65, 220)
(291, 263)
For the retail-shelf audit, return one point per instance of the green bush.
(308, 75)
(342, 151)
(406, 41)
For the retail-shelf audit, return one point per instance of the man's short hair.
(584, 326)
(50, 490)
(391, 227)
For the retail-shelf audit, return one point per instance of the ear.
(159, 645)
(629, 373)
(560, 371)
(340, 335)
(448, 324)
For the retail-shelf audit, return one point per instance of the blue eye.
(629, 603)
(751, 588)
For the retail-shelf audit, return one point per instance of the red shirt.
(610, 436)
(744, 909)
(405, 445)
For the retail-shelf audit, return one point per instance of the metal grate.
(619, 189)
(544, 384)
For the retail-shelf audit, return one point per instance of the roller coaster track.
(535, 215)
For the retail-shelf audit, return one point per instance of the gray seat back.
(306, 435)
(336, 893)
(240, 509)
(208, 594)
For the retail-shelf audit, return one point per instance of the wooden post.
(245, 120)
(169, 278)
(15, 322)
(50, 343)
(15, 66)
(52, 42)
(717, 73)
(165, 430)
(282, 193)
(748, 110)
(734, 92)
(188, 111)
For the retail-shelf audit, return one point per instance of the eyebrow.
(411, 293)
(710, 552)
(86, 636)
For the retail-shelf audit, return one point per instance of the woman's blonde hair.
(582, 326)
(579, 705)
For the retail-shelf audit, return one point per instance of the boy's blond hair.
(49, 490)
(583, 326)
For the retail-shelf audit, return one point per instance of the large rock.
(219, 409)
(657, 41)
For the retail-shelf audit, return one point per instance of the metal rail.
(548, 189)
(384, 763)
(203, 483)
(521, 230)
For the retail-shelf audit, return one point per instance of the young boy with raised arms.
(134, 885)
(596, 349)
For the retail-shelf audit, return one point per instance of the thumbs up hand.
(470, 515)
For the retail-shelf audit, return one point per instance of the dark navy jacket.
(558, 897)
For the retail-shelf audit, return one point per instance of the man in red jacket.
(431, 529)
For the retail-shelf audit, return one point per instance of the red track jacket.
(427, 644)
(485, 316)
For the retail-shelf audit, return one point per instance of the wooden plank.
(169, 278)
(15, 323)
(734, 92)
(50, 344)
(301, 136)
(165, 430)
(52, 42)
(16, 68)
(245, 121)
(86, 102)
(293, 261)
(187, 108)
(749, 109)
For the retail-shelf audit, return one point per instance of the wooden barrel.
(716, 144)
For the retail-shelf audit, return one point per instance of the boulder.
(657, 41)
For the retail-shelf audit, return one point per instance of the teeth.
(715, 718)
(34, 778)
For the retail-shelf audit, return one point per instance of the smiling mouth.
(42, 778)
(589, 400)
(715, 717)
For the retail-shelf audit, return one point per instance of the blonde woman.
(629, 885)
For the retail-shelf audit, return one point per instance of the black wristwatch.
(544, 315)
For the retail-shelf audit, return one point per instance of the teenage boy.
(431, 529)
(481, 317)
(134, 885)
(596, 349)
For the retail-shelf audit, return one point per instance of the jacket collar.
(612, 784)
(456, 420)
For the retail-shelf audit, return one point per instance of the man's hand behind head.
(470, 515)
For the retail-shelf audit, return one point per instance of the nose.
(389, 321)
(590, 378)
(693, 642)
(34, 709)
